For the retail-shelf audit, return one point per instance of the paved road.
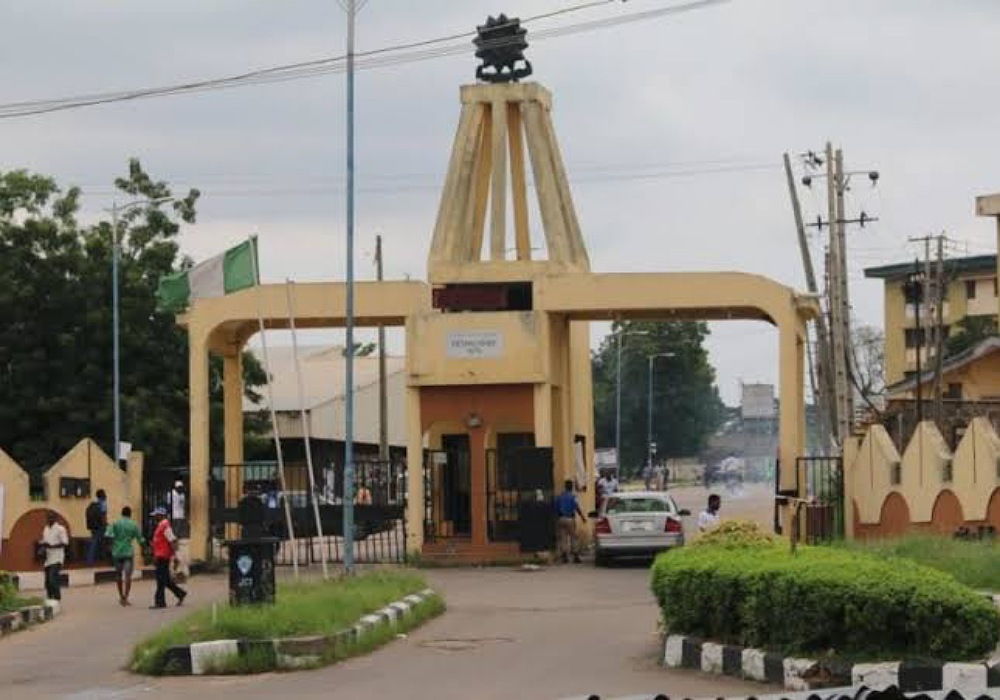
(555, 633)
(754, 502)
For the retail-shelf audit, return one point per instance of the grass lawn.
(302, 609)
(976, 564)
(9, 598)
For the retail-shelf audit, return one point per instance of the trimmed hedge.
(822, 600)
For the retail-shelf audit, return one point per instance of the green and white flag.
(228, 272)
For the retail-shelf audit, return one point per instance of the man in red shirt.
(164, 551)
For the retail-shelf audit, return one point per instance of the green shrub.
(822, 600)
(736, 534)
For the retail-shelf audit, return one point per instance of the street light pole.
(115, 347)
(618, 398)
(348, 514)
(649, 427)
(115, 320)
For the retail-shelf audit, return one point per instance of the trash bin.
(251, 570)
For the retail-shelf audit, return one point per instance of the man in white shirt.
(709, 517)
(178, 510)
(55, 540)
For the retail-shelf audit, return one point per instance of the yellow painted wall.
(17, 499)
(974, 471)
(88, 460)
(83, 461)
(957, 307)
(924, 462)
(895, 342)
(868, 476)
(523, 358)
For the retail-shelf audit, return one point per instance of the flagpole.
(352, 9)
(305, 425)
(270, 405)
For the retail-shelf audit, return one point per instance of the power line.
(336, 186)
(393, 55)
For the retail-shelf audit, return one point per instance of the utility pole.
(837, 283)
(348, 538)
(845, 317)
(940, 288)
(935, 286)
(383, 390)
(914, 290)
(838, 302)
(820, 380)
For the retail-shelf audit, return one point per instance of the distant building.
(322, 369)
(971, 291)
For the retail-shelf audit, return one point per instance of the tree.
(869, 364)
(55, 339)
(686, 403)
(971, 331)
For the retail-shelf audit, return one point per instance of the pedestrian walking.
(567, 508)
(123, 532)
(97, 523)
(164, 551)
(709, 518)
(178, 510)
(55, 539)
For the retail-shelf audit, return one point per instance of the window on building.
(954, 391)
(913, 292)
(507, 444)
(970, 289)
(916, 337)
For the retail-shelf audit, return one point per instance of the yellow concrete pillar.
(232, 418)
(232, 407)
(543, 414)
(414, 473)
(136, 461)
(791, 411)
(199, 436)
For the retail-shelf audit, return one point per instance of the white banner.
(124, 450)
(581, 464)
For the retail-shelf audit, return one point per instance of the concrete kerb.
(799, 674)
(28, 616)
(290, 653)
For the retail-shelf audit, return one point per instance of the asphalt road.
(554, 633)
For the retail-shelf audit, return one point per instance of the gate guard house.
(497, 349)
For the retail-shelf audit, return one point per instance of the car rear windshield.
(637, 505)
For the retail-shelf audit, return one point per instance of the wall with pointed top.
(928, 488)
(86, 460)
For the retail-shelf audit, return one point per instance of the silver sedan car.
(637, 523)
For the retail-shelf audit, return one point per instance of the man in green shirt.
(122, 532)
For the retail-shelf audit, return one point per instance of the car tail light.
(602, 527)
(673, 525)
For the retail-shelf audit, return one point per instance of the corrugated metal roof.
(972, 263)
(323, 369)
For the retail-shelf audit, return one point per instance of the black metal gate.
(532, 469)
(501, 497)
(379, 509)
(823, 482)
(447, 494)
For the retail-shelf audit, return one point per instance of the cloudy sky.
(672, 128)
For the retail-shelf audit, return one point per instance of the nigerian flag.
(228, 272)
